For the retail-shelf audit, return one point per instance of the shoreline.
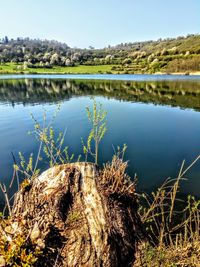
(197, 73)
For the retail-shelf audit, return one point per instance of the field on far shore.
(13, 68)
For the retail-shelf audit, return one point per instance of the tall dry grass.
(172, 225)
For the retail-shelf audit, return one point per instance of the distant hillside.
(183, 44)
(181, 54)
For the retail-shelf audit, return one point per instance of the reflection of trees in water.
(185, 94)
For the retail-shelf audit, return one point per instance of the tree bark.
(76, 221)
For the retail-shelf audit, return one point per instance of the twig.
(4, 190)
(14, 160)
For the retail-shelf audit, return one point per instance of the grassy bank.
(171, 225)
(13, 68)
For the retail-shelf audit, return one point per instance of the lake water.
(156, 116)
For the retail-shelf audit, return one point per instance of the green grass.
(12, 68)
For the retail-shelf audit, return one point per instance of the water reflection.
(185, 94)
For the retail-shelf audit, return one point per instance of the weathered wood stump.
(79, 216)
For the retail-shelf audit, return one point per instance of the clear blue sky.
(98, 23)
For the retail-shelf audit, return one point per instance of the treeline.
(170, 55)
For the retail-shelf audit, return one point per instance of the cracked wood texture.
(75, 219)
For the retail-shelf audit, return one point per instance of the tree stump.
(81, 216)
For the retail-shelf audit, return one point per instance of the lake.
(156, 116)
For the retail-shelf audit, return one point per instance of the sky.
(99, 23)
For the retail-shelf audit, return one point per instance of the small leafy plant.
(97, 119)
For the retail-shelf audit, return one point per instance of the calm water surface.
(156, 116)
